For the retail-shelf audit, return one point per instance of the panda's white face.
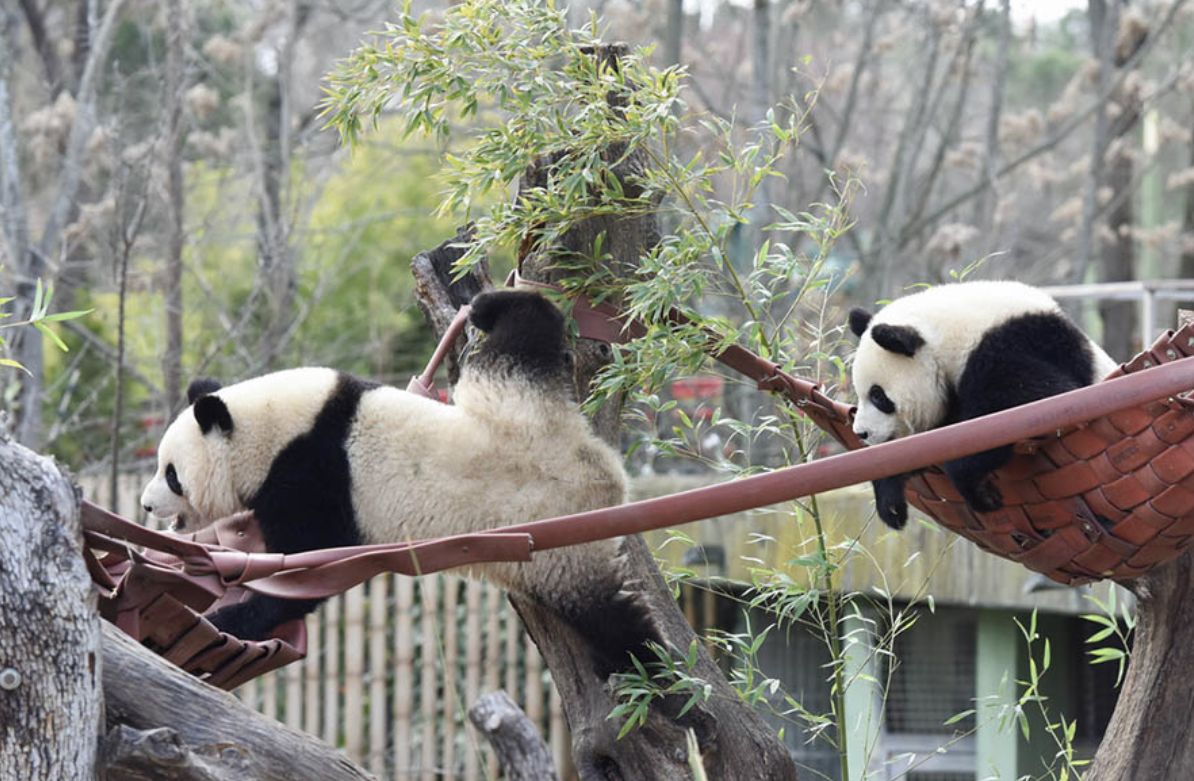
(913, 351)
(218, 451)
(900, 385)
(193, 483)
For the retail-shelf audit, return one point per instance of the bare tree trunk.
(16, 224)
(50, 699)
(176, 36)
(1118, 257)
(1186, 268)
(1104, 18)
(275, 251)
(986, 201)
(31, 261)
(146, 693)
(1149, 735)
(674, 40)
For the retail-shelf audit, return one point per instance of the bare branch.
(36, 21)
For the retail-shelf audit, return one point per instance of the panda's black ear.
(524, 307)
(902, 339)
(487, 309)
(211, 412)
(859, 320)
(201, 387)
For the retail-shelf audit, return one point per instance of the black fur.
(524, 332)
(201, 387)
(859, 320)
(1028, 358)
(890, 502)
(902, 339)
(615, 626)
(211, 412)
(305, 503)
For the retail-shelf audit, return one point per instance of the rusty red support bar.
(902, 455)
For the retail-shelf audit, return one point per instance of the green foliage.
(530, 92)
(1066, 765)
(664, 676)
(1117, 624)
(39, 318)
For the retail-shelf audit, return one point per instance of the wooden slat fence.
(392, 667)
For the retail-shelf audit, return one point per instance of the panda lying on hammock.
(956, 352)
(326, 460)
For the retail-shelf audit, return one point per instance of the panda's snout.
(862, 434)
(147, 508)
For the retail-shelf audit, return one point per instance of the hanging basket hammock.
(1111, 497)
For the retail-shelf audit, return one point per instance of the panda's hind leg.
(615, 628)
(971, 475)
(1028, 359)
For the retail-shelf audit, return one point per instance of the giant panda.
(325, 459)
(960, 351)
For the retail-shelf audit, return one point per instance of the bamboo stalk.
(354, 673)
(378, 622)
(427, 677)
(404, 659)
(472, 672)
(331, 669)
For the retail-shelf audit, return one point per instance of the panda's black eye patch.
(878, 397)
(172, 479)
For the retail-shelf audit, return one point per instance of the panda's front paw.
(890, 502)
(984, 496)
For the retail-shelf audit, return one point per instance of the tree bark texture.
(1149, 735)
(127, 754)
(50, 699)
(521, 751)
(734, 741)
(212, 731)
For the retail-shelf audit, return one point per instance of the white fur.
(502, 454)
(952, 319)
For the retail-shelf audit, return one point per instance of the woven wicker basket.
(1110, 499)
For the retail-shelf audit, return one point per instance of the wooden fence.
(392, 667)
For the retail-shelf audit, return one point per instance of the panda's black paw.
(984, 496)
(890, 502)
(894, 514)
(241, 620)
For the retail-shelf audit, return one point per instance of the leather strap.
(424, 384)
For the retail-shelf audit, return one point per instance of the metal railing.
(1146, 294)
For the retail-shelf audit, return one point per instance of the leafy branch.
(40, 318)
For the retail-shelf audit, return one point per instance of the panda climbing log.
(325, 459)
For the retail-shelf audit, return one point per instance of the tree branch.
(146, 692)
(520, 750)
(36, 21)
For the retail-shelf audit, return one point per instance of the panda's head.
(193, 481)
(900, 386)
(524, 335)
